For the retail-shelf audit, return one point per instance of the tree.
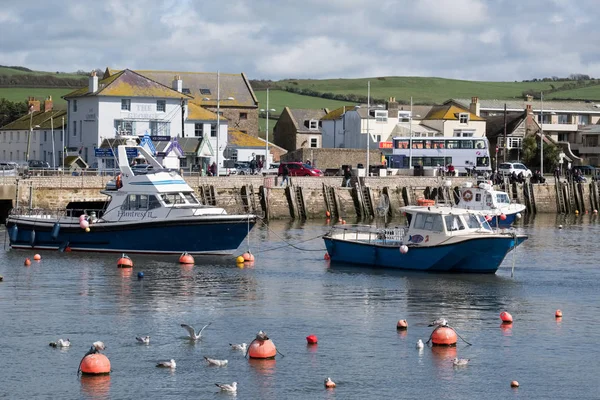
(10, 111)
(530, 152)
(529, 149)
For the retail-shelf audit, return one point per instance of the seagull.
(61, 343)
(192, 332)
(225, 387)
(143, 339)
(420, 344)
(241, 347)
(329, 384)
(439, 322)
(167, 364)
(460, 362)
(261, 336)
(218, 363)
(98, 346)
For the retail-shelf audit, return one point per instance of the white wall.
(223, 128)
(18, 145)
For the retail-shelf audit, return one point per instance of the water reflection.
(95, 387)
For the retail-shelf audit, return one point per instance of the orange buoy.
(124, 262)
(327, 214)
(262, 349)
(27, 262)
(95, 364)
(402, 325)
(343, 222)
(186, 258)
(558, 314)
(506, 317)
(327, 256)
(443, 336)
(312, 339)
(514, 384)
(329, 384)
(37, 257)
(248, 256)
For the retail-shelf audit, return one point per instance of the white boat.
(494, 204)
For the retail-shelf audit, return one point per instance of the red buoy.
(262, 349)
(327, 214)
(248, 256)
(502, 217)
(186, 258)
(514, 384)
(124, 262)
(37, 257)
(312, 339)
(443, 336)
(95, 364)
(506, 317)
(326, 256)
(27, 262)
(402, 325)
(558, 314)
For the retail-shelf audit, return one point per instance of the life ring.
(467, 195)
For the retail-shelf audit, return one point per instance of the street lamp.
(29, 137)
(267, 131)
(218, 99)
(369, 108)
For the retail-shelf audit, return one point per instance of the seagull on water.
(192, 332)
(61, 343)
(329, 384)
(167, 364)
(225, 387)
(460, 362)
(218, 363)
(241, 347)
(439, 322)
(420, 344)
(143, 339)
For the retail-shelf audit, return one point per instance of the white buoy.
(404, 249)
(518, 215)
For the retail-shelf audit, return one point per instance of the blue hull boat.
(494, 204)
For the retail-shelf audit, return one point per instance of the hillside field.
(17, 94)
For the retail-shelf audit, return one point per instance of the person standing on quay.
(347, 177)
(285, 172)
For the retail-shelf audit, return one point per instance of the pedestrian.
(260, 165)
(308, 163)
(347, 177)
(213, 169)
(252, 165)
(285, 172)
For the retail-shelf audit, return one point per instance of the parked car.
(38, 164)
(510, 167)
(243, 168)
(299, 169)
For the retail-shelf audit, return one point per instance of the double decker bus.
(463, 153)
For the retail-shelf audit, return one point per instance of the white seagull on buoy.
(143, 339)
(240, 347)
(225, 387)
(261, 336)
(420, 344)
(439, 322)
(167, 364)
(61, 343)
(218, 363)
(460, 362)
(192, 332)
(99, 346)
(329, 384)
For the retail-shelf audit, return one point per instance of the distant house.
(299, 128)
(244, 147)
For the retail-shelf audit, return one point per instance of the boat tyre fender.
(118, 182)
(467, 195)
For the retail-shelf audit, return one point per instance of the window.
(74, 105)
(198, 130)
(453, 144)
(213, 130)
(190, 198)
(313, 125)
(514, 142)
(159, 128)
(381, 115)
(453, 223)
(473, 222)
(480, 144)
(463, 133)
(502, 198)
(466, 144)
(74, 128)
(403, 116)
(135, 202)
(583, 119)
(545, 119)
(186, 90)
(563, 118)
(463, 118)
(124, 127)
(161, 105)
(483, 161)
(204, 91)
(45, 136)
(126, 104)
(153, 202)
(172, 198)
(243, 115)
(314, 142)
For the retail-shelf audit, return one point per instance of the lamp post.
(218, 99)
(267, 131)
(369, 108)
(542, 135)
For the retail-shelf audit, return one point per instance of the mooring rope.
(288, 244)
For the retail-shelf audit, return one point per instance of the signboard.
(108, 153)
(386, 145)
(160, 138)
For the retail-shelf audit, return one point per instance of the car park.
(299, 169)
(509, 167)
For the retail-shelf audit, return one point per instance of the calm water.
(292, 293)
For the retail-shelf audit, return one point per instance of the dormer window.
(313, 125)
(204, 91)
(186, 90)
(463, 118)
(403, 116)
(381, 115)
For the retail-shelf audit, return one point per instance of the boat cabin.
(482, 197)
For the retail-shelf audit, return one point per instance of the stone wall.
(325, 158)
(545, 198)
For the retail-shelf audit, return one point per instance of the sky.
(499, 40)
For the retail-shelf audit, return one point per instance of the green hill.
(10, 71)
(17, 94)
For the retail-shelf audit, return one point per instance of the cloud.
(465, 39)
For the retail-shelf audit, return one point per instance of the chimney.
(48, 104)
(93, 83)
(475, 107)
(529, 98)
(33, 104)
(392, 107)
(530, 126)
(177, 83)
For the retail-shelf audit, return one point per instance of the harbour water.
(291, 293)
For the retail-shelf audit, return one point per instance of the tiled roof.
(189, 145)
(241, 139)
(113, 143)
(128, 83)
(338, 112)
(300, 116)
(520, 105)
(494, 126)
(41, 118)
(204, 85)
(197, 113)
(449, 112)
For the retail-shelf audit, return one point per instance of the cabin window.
(484, 223)
(190, 198)
(453, 223)
(172, 198)
(429, 222)
(153, 202)
(473, 222)
(502, 198)
(135, 202)
(478, 197)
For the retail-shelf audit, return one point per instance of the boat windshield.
(189, 196)
(473, 222)
(502, 198)
(484, 224)
(428, 222)
(453, 223)
(172, 198)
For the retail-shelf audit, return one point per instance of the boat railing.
(369, 234)
(54, 213)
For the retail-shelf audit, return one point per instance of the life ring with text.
(467, 195)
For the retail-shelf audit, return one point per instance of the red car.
(299, 169)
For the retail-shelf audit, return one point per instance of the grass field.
(12, 71)
(587, 93)
(21, 94)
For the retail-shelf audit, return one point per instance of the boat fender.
(55, 231)
(467, 195)
(14, 231)
(32, 238)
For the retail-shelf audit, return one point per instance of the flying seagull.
(192, 332)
